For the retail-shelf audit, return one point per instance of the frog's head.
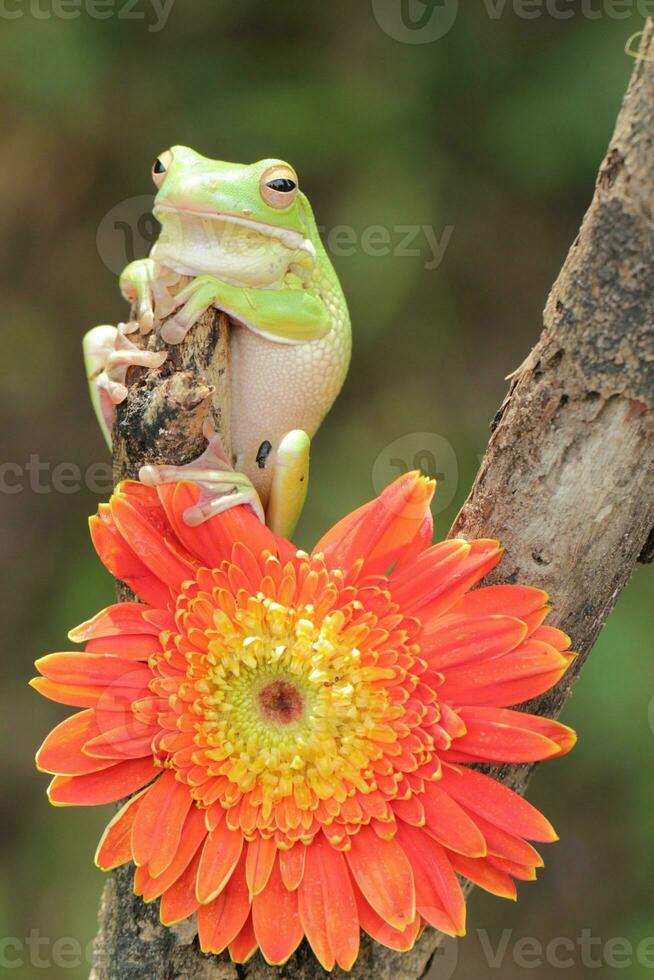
(248, 224)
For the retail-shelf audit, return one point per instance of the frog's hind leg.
(222, 487)
(290, 482)
(108, 354)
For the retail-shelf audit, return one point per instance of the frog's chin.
(232, 247)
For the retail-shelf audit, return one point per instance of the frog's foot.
(137, 286)
(196, 297)
(124, 355)
(108, 355)
(222, 488)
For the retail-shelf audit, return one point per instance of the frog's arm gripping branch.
(569, 514)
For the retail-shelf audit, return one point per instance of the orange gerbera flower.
(297, 728)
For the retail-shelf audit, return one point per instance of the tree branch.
(565, 484)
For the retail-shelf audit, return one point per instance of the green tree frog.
(247, 236)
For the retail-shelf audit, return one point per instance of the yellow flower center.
(288, 702)
(291, 706)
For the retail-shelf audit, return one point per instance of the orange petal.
(449, 824)
(521, 871)
(119, 559)
(432, 591)
(94, 668)
(115, 846)
(261, 853)
(483, 873)
(439, 898)
(105, 786)
(127, 646)
(149, 543)
(179, 901)
(432, 571)
(122, 617)
(530, 669)
(327, 906)
(121, 736)
(382, 871)
(291, 865)
(381, 530)
(219, 858)
(61, 751)
(74, 695)
(276, 920)
(496, 734)
(220, 922)
(192, 836)
(245, 944)
(410, 810)
(158, 826)
(496, 803)
(118, 681)
(506, 845)
(421, 542)
(379, 929)
(556, 638)
(520, 601)
(453, 641)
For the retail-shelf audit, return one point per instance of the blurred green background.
(489, 136)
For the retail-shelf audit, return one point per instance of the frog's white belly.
(277, 387)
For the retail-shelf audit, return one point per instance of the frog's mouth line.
(287, 236)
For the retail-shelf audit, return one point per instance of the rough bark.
(161, 422)
(565, 484)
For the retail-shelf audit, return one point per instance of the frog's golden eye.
(160, 167)
(278, 186)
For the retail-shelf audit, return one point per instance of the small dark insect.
(263, 452)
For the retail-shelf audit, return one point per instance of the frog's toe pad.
(173, 331)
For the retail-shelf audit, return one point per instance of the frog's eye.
(278, 186)
(160, 167)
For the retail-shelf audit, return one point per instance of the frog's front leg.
(145, 284)
(290, 315)
(108, 355)
(223, 488)
(137, 283)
